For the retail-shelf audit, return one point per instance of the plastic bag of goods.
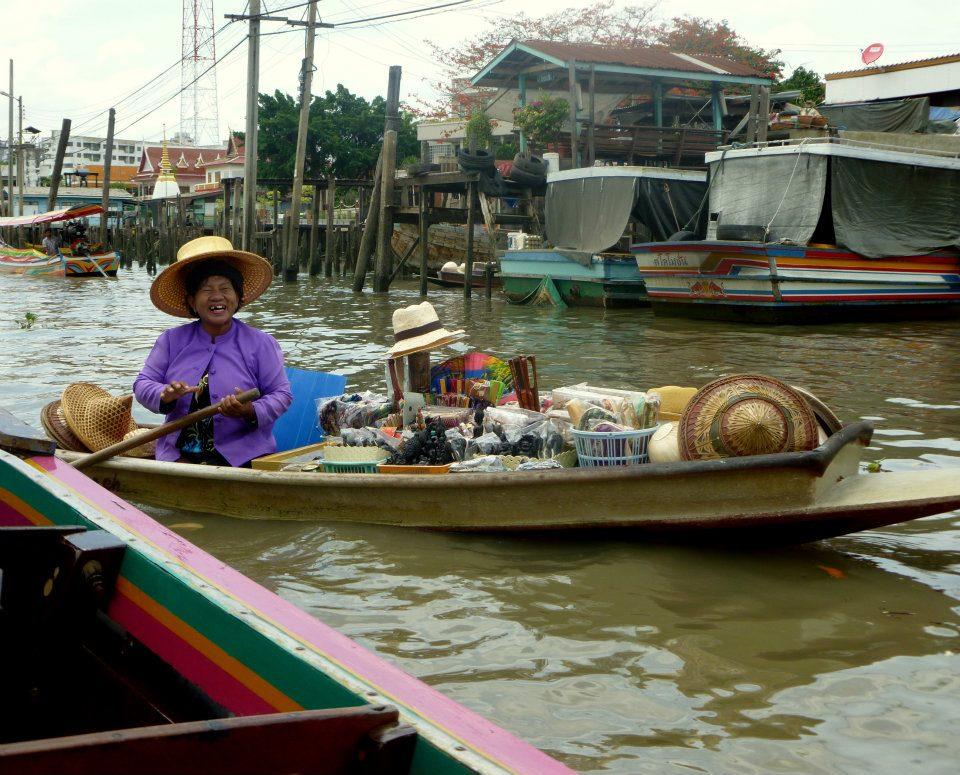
(502, 419)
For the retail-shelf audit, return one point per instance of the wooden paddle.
(161, 430)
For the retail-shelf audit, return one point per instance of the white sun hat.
(418, 328)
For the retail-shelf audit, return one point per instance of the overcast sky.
(74, 58)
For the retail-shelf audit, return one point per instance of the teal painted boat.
(587, 212)
(127, 649)
(608, 280)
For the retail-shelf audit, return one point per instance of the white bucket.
(551, 161)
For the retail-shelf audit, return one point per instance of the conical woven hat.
(169, 290)
(745, 414)
(55, 424)
(96, 417)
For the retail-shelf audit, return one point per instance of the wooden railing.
(677, 146)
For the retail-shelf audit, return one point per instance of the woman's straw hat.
(169, 291)
(745, 414)
(55, 424)
(417, 328)
(98, 419)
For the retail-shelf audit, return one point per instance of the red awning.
(66, 214)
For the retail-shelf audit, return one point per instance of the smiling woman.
(214, 358)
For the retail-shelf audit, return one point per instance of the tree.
(344, 135)
(597, 22)
(808, 82)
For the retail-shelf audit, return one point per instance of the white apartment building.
(84, 151)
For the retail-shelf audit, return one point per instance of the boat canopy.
(588, 210)
(64, 214)
(873, 202)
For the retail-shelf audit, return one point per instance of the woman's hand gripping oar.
(161, 430)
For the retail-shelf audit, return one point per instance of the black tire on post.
(684, 235)
(477, 161)
(527, 179)
(532, 164)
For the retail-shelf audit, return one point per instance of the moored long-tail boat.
(786, 497)
(446, 242)
(132, 650)
(32, 262)
(817, 230)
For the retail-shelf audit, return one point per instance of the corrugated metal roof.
(649, 57)
(908, 65)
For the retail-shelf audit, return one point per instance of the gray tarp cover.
(882, 209)
(588, 215)
(753, 191)
(910, 115)
(668, 206)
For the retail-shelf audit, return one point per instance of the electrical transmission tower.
(198, 75)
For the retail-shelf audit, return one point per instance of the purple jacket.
(244, 358)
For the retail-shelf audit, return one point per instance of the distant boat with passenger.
(79, 260)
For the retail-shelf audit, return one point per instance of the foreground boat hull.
(243, 647)
(766, 283)
(608, 282)
(35, 264)
(769, 498)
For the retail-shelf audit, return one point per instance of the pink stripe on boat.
(401, 688)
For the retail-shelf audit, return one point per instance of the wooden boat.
(585, 266)
(36, 264)
(93, 262)
(448, 279)
(809, 199)
(785, 497)
(127, 649)
(447, 242)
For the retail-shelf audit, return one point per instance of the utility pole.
(107, 163)
(250, 137)
(10, 148)
(291, 258)
(58, 163)
(21, 167)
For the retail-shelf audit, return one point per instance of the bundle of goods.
(476, 366)
(357, 410)
(523, 369)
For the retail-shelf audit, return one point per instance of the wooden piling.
(368, 239)
(384, 264)
(424, 240)
(331, 230)
(471, 214)
(314, 259)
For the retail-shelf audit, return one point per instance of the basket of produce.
(612, 448)
(352, 460)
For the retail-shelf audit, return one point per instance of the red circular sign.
(871, 53)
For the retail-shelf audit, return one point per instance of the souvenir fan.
(473, 365)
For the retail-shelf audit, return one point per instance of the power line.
(184, 87)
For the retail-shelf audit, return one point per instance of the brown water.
(615, 656)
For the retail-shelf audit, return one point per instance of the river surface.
(612, 655)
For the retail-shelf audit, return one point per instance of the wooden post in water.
(471, 214)
(424, 240)
(591, 141)
(107, 161)
(384, 265)
(57, 165)
(225, 227)
(367, 240)
(330, 253)
(314, 231)
(237, 191)
(752, 114)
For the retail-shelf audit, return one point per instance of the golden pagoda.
(166, 185)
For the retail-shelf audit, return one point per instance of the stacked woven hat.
(87, 419)
(745, 414)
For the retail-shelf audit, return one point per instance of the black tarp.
(909, 115)
(667, 206)
(885, 209)
(589, 214)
